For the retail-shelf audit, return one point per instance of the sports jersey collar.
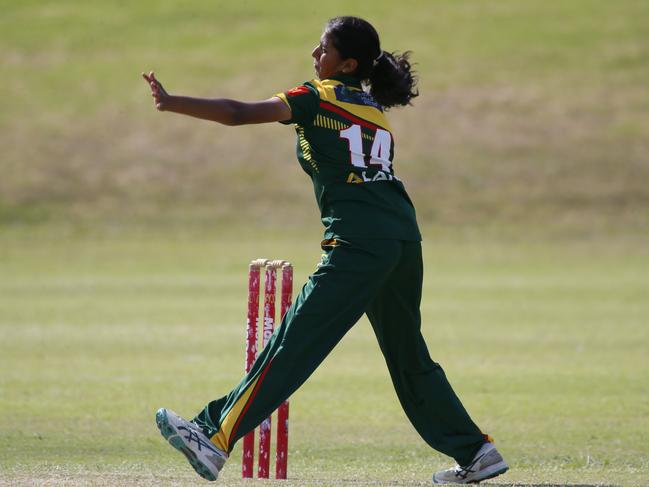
(347, 80)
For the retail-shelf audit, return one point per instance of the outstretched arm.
(222, 110)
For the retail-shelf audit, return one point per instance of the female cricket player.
(372, 259)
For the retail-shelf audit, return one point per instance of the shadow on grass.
(417, 483)
(518, 484)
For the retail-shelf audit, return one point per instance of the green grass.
(125, 235)
(544, 342)
(529, 110)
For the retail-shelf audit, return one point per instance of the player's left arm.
(221, 110)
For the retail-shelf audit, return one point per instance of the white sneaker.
(190, 440)
(486, 464)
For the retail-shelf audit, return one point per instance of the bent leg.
(421, 385)
(330, 303)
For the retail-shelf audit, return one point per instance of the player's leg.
(330, 303)
(420, 383)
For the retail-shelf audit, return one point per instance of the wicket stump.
(270, 285)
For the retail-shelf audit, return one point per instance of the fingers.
(156, 88)
(157, 91)
(150, 78)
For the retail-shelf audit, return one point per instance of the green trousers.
(382, 278)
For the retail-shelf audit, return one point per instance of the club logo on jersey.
(356, 97)
(298, 90)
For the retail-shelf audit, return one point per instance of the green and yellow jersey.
(345, 144)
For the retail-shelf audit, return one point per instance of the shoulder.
(303, 100)
(326, 89)
(350, 101)
(308, 88)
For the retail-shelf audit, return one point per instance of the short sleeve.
(304, 101)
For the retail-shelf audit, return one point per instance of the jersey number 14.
(379, 154)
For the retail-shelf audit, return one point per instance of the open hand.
(159, 94)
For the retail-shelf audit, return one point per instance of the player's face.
(327, 61)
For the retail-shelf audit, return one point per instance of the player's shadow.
(484, 484)
(518, 484)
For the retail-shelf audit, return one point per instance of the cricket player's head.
(355, 40)
(350, 46)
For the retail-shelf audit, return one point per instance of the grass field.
(545, 343)
(125, 235)
(529, 110)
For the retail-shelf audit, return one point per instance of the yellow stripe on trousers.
(222, 438)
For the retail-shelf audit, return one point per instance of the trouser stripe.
(250, 399)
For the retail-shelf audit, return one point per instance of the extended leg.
(421, 385)
(330, 303)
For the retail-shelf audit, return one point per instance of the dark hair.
(389, 74)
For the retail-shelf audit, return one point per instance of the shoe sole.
(498, 469)
(171, 435)
(489, 473)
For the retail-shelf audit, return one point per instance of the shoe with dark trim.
(486, 464)
(189, 439)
